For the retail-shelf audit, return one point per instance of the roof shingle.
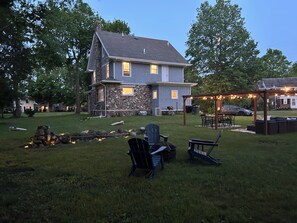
(272, 83)
(140, 48)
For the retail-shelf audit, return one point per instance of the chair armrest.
(203, 143)
(164, 137)
(161, 149)
(200, 140)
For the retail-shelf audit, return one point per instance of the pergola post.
(255, 109)
(184, 105)
(265, 113)
(216, 112)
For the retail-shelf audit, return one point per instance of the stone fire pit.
(44, 137)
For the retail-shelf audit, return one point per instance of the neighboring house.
(61, 107)
(132, 75)
(281, 101)
(30, 103)
(27, 103)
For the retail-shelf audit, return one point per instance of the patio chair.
(155, 140)
(142, 158)
(197, 146)
(207, 121)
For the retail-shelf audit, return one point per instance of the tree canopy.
(17, 19)
(221, 49)
(39, 39)
(50, 40)
(275, 64)
(64, 39)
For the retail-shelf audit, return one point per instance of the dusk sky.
(271, 23)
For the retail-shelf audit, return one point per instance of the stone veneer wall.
(93, 101)
(119, 105)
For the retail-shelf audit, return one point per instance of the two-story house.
(133, 74)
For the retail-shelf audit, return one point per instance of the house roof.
(275, 83)
(140, 49)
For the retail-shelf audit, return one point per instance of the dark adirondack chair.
(142, 158)
(197, 146)
(155, 140)
(153, 136)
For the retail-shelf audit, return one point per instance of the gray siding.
(140, 73)
(164, 97)
(176, 74)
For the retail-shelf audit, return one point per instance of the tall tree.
(17, 19)
(49, 86)
(220, 48)
(5, 94)
(116, 26)
(275, 64)
(293, 70)
(64, 37)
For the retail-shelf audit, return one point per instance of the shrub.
(29, 112)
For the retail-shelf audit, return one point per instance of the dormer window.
(154, 69)
(126, 69)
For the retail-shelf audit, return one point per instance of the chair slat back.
(219, 135)
(152, 132)
(139, 152)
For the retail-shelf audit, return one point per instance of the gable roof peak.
(137, 48)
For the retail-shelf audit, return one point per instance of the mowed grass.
(87, 182)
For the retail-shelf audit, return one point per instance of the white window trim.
(155, 96)
(107, 70)
(172, 94)
(130, 66)
(157, 70)
(128, 94)
(94, 77)
(100, 95)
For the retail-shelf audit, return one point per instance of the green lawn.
(87, 182)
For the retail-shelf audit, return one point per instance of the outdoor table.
(223, 119)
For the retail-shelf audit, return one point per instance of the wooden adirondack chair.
(142, 158)
(153, 136)
(196, 149)
(155, 140)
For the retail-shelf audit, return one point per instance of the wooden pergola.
(254, 95)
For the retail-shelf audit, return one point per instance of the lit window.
(107, 71)
(174, 94)
(155, 94)
(128, 91)
(100, 95)
(126, 69)
(94, 77)
(154, 69)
